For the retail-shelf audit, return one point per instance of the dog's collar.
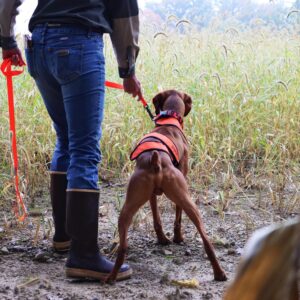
(168, 114)
(169, 121)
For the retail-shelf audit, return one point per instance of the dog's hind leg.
(161, 237)
(138, 193)
(178, 193)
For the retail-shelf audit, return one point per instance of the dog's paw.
(110, 279)
(178, 239)
(220, 276)
(163, 241)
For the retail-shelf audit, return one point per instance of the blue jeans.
(68, 66)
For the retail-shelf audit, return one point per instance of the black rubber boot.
(58, 186)
(85, 260)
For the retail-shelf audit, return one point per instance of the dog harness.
(161, 142)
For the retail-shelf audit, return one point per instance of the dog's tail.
(155, 162)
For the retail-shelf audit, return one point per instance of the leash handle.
(115, 85)
(9, 73)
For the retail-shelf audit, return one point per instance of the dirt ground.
(31, 270)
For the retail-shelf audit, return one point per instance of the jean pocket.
(29, 53)
(67, 62)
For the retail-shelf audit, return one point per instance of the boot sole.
(83, 273)
(61, 246)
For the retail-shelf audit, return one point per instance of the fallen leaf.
(189, 283)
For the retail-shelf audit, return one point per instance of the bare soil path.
(31, 270)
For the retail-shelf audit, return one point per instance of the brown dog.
(162, 168)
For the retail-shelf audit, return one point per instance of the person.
(65, 58)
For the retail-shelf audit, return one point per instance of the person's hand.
(14, 55)
(132, 86)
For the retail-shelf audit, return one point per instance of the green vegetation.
(243, 128)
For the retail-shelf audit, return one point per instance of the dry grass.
(243, 129)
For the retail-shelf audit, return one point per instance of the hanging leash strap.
(18, 205)
(115, 85)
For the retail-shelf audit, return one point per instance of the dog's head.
(173, 100)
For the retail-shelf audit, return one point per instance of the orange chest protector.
(160, 143)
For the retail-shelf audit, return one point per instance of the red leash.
(115, 85)
(18, 206)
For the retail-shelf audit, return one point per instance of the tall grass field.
(243, 129)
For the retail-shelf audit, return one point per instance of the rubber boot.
(58, 186)
(85, 260)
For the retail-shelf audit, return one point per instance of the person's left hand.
(132, 86)
(14, 55)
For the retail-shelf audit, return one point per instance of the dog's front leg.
(178, 236)
(161, 237)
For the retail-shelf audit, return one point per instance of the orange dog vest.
(163, 143)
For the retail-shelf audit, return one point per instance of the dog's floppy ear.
(158, 101)
(187, 103)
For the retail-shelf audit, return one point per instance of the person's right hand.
(132, 86)
(14, 55)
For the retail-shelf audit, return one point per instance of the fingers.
(132, 90)
(21, 61)
(132, 86)
(17, 60)
(14, 55)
